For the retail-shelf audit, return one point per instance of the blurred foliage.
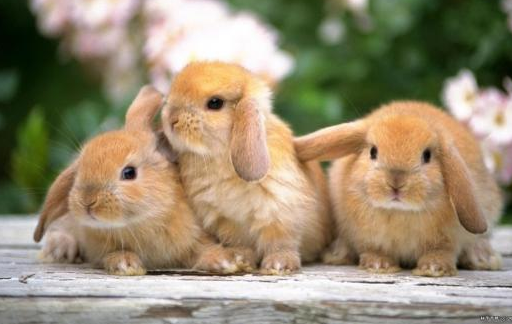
(30, 156)
(406, 52)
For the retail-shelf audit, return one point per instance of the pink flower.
(493, 116)
(498, 160)
(90, 44)
(124, 39)
(53, 15)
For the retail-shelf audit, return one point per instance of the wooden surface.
(32, 292)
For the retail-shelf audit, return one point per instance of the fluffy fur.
(239, 168)
(128, 225)
(401, 208)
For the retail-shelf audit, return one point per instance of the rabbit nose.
(396, 190)
(397, 178)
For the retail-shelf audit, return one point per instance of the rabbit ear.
(143, 109)
(56, 201)
(164, 147)
(249, 152)
(331, 142)
(459, 185)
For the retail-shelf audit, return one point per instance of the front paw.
(435, 265)
(124, 264)
(60, 247)
(480, 256)
(245, 258)
(279, 263)
(226, 260)
(377, 263)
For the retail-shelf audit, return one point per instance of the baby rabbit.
(409, 188)
(123, 207)
(239, 169)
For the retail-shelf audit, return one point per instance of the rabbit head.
(402, 160)
(117, 177)
(219, 109)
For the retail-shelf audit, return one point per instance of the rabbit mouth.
(91, 219)
(95, 222)
(395, 203)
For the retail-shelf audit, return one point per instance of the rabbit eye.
(427, 155)
(373, 153)
(129, 173)
(215, 103)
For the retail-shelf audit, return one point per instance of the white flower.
(459, 95)
(240, 39)
(168, 21)
(92, 14)
(357, 6)
(331, 30)
(493, 116)
(506, 5)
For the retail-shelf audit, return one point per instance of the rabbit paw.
(479, 255)
(60, 247)
(279, 263)
(377, 263)
(124, 264)
(226, 260)
(435, 265)
(245, 258)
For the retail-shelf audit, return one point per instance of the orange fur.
(439, 203)
(282, 211)
(129, 225)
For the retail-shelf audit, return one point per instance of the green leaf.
(29, 160)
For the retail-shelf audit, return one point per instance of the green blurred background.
(49, 104)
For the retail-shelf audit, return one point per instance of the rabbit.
(409, 188)
(121, 205)
(238, 167)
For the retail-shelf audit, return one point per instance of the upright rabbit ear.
(459, 185)
(143, 109)
(164, 147)
(56, 201)
(249, 152)
(331, 142)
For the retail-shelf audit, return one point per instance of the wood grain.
(34, 292)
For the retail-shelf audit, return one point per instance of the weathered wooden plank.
(34, 292)
(502, 240)
(153, 310)
(15, 263)
(17, 231)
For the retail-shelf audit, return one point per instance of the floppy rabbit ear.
(459, 185)
(249, 152)
(331, 142)
(143, 109)
(56, 202)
